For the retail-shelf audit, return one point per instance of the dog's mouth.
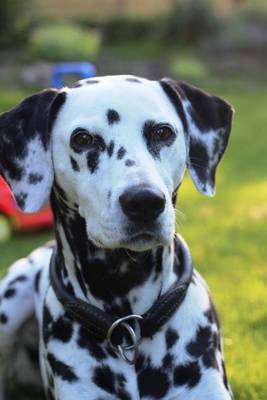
(141, 236)
(141, 240)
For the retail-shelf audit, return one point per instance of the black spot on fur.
(211, 315)
(188, 374)
(121, 153)
(205, 346)
(202, 342)
(20, 278)
(92, 161)
(209, 359)
(21, 199)
(129, 163)
(3, 318)
(75, 85)
(35, 178)
(74, 164)
(105, 281)
(110, 148)
(47, 321)
(112, 383)
(104, 378)
(93, 155)
(88, 343)
(62, 330)
(167, 361)
(113, 117)
(199, 159)
(60, 369)
(92, 81)
(171, 337)
(134, 80)
(37, 281)
(9, 293)
(153, 383)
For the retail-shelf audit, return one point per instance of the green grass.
(227, 236)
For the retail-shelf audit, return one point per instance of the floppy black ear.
(207, 123)
(25, 154)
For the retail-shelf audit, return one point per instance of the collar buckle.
(134, 338)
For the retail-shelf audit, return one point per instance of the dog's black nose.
(142, 203)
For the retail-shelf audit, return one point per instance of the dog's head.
(118, 146)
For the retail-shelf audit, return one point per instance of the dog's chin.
(138, 243)
(142, 242)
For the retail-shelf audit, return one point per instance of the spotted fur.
(117, 263)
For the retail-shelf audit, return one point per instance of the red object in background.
(20, 221)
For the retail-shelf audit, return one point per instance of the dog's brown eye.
(81, 139)
(164, 133)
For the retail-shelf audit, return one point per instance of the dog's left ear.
(207, 123)
(25, 148)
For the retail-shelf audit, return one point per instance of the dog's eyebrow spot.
(113, 116)
(35, 178)
(91, 81)
(129, 163)
(121, 153)
(74, 164)
(110, 148)
(133, 80)
(109, 194)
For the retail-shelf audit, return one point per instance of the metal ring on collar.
(122, 348)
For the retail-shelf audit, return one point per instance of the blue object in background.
(82, 69)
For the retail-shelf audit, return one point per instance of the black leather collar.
(101, 325)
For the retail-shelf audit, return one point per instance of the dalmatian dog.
(110, 153)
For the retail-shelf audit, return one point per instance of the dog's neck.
(119, 281)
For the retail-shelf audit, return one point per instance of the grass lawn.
(227, 236)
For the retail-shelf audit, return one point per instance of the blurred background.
(218, 45)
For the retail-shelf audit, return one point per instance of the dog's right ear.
(25, 148)
(207, 123)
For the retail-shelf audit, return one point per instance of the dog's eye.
(81, 139)
(164, 133)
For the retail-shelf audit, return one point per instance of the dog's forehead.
(117, 98)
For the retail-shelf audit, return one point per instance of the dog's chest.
(72, 360)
